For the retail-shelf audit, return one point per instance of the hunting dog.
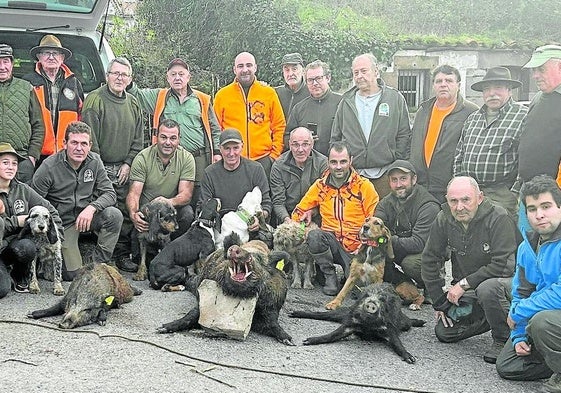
(168, 268)
(243, 270)
(237, 221)
(42, 230)
(162, 220)
(291, 237)
(367, 266)
(376, 315)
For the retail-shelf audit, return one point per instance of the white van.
(24, 22)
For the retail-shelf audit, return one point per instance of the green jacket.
(21, 123)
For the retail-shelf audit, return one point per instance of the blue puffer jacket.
(537, 283)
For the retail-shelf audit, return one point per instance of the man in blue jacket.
(534, 348)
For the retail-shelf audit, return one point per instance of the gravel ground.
(127, 355)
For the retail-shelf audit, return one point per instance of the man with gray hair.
(373, 120)
(293, 90)
(115, 118)
(481, 239)
(317, 111)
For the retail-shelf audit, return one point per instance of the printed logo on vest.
(486, 248)
(384, 110)
(88, 176)
(19, 206)
(68, 93)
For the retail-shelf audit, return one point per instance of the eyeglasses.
(50, 54)
(317, 79)
(116, 74)
(304, 145)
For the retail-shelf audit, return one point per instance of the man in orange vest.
(59, 92)
(193, 111)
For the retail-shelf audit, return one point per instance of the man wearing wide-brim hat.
(21, 123)
(487, 149)
(540, 143)
(58, 89)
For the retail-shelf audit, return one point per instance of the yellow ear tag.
(280, 265)
(109, 300)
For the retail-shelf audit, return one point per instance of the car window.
(78, 6)
(85, 61)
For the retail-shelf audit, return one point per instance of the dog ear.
(52, 233)
(389, 248)
(218, 223)
(25, 231)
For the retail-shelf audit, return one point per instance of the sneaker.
(127, 265)
(21, 288)
(553, 384)
(492, 353)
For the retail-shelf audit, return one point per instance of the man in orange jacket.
(345, 200)
(254, 109)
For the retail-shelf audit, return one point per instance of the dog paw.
(308, 285)
(414, 307)
(139, 277)
(408, 358)
(34, 287)
(163, 330)
(58, 290)
(172, 288)
(333, 305)
(296, 285)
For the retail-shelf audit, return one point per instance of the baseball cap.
(6, 51)
(543, 54)
(230, 135)
(179, 62)
(402, 165)
(7, 148)
(292, 58)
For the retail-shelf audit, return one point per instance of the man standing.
(436, 131)
(21, 124)
(345, 200)
(74, 180)
(59, 92)
(294, 172)
(254, 109)
(408, 212)
(117, 127)
(533, 350)
(317, 111)
(373, 120)
(234, 176)
(165, 171)
(192, 110)
(481, 238)
(294, 90)
(488, 146)
(543, 122)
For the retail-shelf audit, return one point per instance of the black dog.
(162, 219)
(376, 315)
(243, 271)
(168, 268)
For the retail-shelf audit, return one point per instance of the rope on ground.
(225, 365)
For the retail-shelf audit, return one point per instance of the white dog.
(238, 221)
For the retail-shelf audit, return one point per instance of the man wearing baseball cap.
(488, 146)
(540, 143)
(234, 176)
(408, 211)
(294, 89)
(21, 123)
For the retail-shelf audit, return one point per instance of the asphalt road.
(127, 355)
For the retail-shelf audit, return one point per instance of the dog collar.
(377, 242)
(244, 215)
(205, 222)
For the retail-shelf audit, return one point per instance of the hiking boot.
(553, 384)
(127, 265)
(330, 288)
(492, 353)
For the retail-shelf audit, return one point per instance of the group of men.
(317, 156)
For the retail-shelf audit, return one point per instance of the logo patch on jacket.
(486, 248)
(384, 109)
(68, 93)
(19, 206)
(88, 176)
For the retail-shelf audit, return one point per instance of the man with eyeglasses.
(164, 171)
(481, 239)
(317, 111)
(294, 172)
(21, 124)
(115, 118)
(373, 120)
(59, 91)
(408, 211)
(294, 89)
(189, 107)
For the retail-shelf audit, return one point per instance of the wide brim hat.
(543, 54)
(499, 75)
(50, 42)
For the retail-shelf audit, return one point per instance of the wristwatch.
(464, 284)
